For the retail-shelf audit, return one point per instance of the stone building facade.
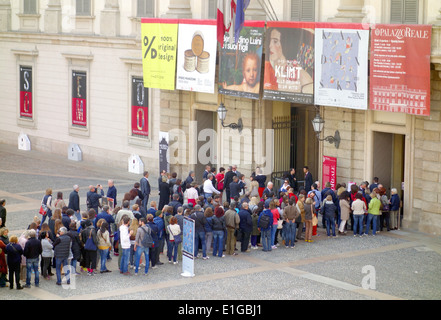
(102, 39)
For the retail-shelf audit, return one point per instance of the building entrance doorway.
(295, 143)
(388, 161)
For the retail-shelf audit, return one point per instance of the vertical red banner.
(400, 68)
(26, 105)
(79, 98)
(139, 110)
(329, 171)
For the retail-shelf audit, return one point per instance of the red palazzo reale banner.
(400, 68)
(329, 172)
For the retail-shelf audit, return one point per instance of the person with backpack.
(143, 243)
(264, 224)
(89, 240)
(290, 214)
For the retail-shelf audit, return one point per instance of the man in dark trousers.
(145, 189)
(111, 192)
(93, 197)
(245, 226)
(227, 180)
(62, 246)
(74, 202)
(308, 179)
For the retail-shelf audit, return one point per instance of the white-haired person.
(394, 209)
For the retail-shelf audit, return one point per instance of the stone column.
(349, 11)
(5, 15)
(110, 24)
(179, 9)
(52, 17)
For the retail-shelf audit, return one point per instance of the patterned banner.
(140, 124)
(341, 65)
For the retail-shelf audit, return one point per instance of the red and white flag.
(226, 16)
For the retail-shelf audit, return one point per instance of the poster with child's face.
(240, 62)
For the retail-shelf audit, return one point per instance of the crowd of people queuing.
(226, 208)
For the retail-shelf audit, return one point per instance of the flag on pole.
(226, 14)
(242, 5)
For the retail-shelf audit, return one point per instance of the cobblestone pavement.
(402, 264)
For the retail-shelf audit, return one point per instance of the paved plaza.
(402, 264)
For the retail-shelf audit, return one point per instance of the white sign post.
(188, 248)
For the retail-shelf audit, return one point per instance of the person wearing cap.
(62, 246)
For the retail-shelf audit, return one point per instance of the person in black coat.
(164, 193)
(76, 245)
(308, 179)
(145, 189)
(245, 226)
(93, 198)
(74, 202)
(235, 188)
(227, 181)
(14, 252)
(61, 253)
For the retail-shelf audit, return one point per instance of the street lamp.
(222, 114)
(318, 123)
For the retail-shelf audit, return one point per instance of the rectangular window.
(30, 6)
(302, 10)
(145, 8)
(79, 98)
(140, 110)
(212, 9)
(26, 105)
(404, 11)
(83, 8)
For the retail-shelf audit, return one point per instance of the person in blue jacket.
(265, 231)
(394, 209)
(245, 226)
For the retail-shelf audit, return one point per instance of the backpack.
(147, 240)
(264, 221)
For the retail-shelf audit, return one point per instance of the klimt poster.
(400, 68)
(289, 62)
(26, 92)
(159, 47)
(341, 65)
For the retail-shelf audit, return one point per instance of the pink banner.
(400, 68)
(329, 173)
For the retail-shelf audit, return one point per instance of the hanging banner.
(140, 124)
(329, 172)
(159, 46)
(26, 104)
(240, 63)
(400, 68)
(188, 235)
(79, 98)
(341, 65)
(196, 62)
(289, 62)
